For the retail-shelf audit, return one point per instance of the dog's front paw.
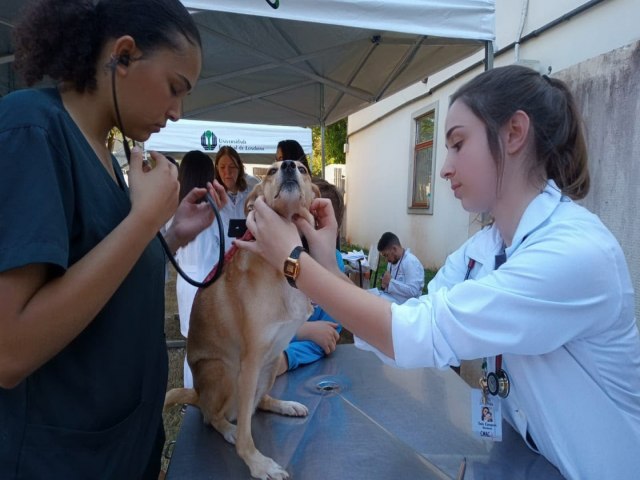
(294, 409)
(230, 435)
(283, 407)
(266, 469)
(227, 430)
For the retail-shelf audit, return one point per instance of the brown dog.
(241, 324)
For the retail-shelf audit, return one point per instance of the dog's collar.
(248, 236)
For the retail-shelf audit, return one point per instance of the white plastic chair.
(372, 265)
(373, 260)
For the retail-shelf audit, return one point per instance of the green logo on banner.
(273, 4)
(208, 140)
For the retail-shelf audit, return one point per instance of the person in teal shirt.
(83, 360)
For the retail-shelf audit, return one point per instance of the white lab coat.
(234, 209)
(561, 310)
(407, 278)
(199, 256)
(196, 259)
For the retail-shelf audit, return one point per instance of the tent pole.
(322, 146)
(488, 55)
(322, 125)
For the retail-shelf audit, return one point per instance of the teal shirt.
(95, 409)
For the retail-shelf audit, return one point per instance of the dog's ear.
(316, 191)
(255, 193)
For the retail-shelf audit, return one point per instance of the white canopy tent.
(255, 143)
(311, 62)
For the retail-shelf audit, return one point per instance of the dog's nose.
(288, 165)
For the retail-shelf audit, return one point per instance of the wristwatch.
(292, 265)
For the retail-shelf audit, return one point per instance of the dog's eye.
(272, 171)
(302, 170)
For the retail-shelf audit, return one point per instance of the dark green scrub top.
(94, 410)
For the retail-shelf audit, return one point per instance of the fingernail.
(136, 149)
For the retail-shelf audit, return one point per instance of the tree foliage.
(335, 136)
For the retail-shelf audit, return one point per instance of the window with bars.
(423, 162)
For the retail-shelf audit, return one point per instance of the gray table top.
(366, 421)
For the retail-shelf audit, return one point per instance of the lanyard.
(399, 263)
(470, 265)
(496, 383)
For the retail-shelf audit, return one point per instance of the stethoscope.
(398, 267)
(124, 60)
(497, 382)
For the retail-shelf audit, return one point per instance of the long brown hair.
(196, 169)
(560, 147)
(292, 150)
(241, 182)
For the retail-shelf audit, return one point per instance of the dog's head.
(287, 189)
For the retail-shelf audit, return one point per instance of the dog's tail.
(181, 395)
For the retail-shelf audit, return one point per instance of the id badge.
(486, 416)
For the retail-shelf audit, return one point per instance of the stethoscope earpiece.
(119, 60)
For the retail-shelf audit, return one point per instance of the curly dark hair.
(62, 39)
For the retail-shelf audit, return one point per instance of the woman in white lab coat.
(198, 257)
(230, 172)
(543, 293)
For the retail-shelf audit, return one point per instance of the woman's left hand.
(193, 216)
(275, 237)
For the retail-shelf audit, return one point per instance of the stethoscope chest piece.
(498, 383)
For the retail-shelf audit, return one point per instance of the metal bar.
(257, 97)
(252, 50)
(271, 65)
(401, 66)
(375, 41)
(488, 55)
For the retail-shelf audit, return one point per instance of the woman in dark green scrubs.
(83, 364)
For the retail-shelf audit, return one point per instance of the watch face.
(291, 268)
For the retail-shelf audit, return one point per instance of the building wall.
(593, 51)
(607, 89)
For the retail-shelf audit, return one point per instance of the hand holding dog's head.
(287, 189)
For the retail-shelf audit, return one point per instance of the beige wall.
(607, 89)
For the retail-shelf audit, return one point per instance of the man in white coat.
(404, 278)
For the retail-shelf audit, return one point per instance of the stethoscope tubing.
(209, 198)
